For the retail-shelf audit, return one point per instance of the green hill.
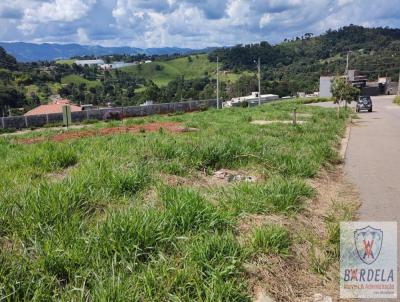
(76, 79)
(191, 67)
(296, 64)
(161, 72)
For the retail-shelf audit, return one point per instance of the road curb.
(345, 142)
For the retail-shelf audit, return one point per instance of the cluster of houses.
(102, 65)
(382, 86)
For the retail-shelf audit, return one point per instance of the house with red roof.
(54, 107)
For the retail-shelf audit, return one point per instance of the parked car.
(364, 103)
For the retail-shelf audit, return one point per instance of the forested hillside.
(296, 64)
(292, 66)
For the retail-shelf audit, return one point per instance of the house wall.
(371, 91)
(20, 122)
(325, 87)
(392, 88)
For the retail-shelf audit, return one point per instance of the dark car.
(364, 103)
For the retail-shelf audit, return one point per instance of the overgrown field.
(137, 217)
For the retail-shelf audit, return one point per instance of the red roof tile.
(55, 107)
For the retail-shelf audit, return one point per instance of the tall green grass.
(271, 240)
(96, 219)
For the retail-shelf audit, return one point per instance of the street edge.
(345, 141)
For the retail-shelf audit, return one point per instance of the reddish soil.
(172, 127)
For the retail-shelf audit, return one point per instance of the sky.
(185, 23)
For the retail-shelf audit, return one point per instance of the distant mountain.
(29, 52)
(7, 61)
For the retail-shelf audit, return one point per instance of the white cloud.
(55, 11)
(59, 10)
(265, 20)
(186, 23)
(82, 36)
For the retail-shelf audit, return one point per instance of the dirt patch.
(171, 127)
(221, 177)
(227, 176)
(294, 278)
(59, 176)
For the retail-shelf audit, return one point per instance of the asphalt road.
(373, 161)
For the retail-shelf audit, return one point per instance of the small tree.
(342, 91)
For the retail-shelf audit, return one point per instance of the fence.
(19, 122)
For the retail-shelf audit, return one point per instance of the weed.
(277, 195)
(319, 260)
(51, 157)
(186, 211)
(271, 239)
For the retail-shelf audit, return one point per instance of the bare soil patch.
(294, 278)
(171, 127)
(221, 177)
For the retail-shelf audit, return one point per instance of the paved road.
(373, 161)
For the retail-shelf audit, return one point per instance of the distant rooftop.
(54, 107)
(89, 62)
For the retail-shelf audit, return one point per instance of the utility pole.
(217, 82)
(346, 73)
(398, 88)
(259, 81)
(181, 88)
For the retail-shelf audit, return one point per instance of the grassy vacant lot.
(79, 80)
(69, 62)
(137, 217)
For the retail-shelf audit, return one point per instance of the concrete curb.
(345, 142)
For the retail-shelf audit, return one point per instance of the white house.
(253, 98)
(89, 62)
(116, 65)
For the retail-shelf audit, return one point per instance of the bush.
(397, 100)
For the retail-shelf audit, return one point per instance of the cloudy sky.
(184, 23)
